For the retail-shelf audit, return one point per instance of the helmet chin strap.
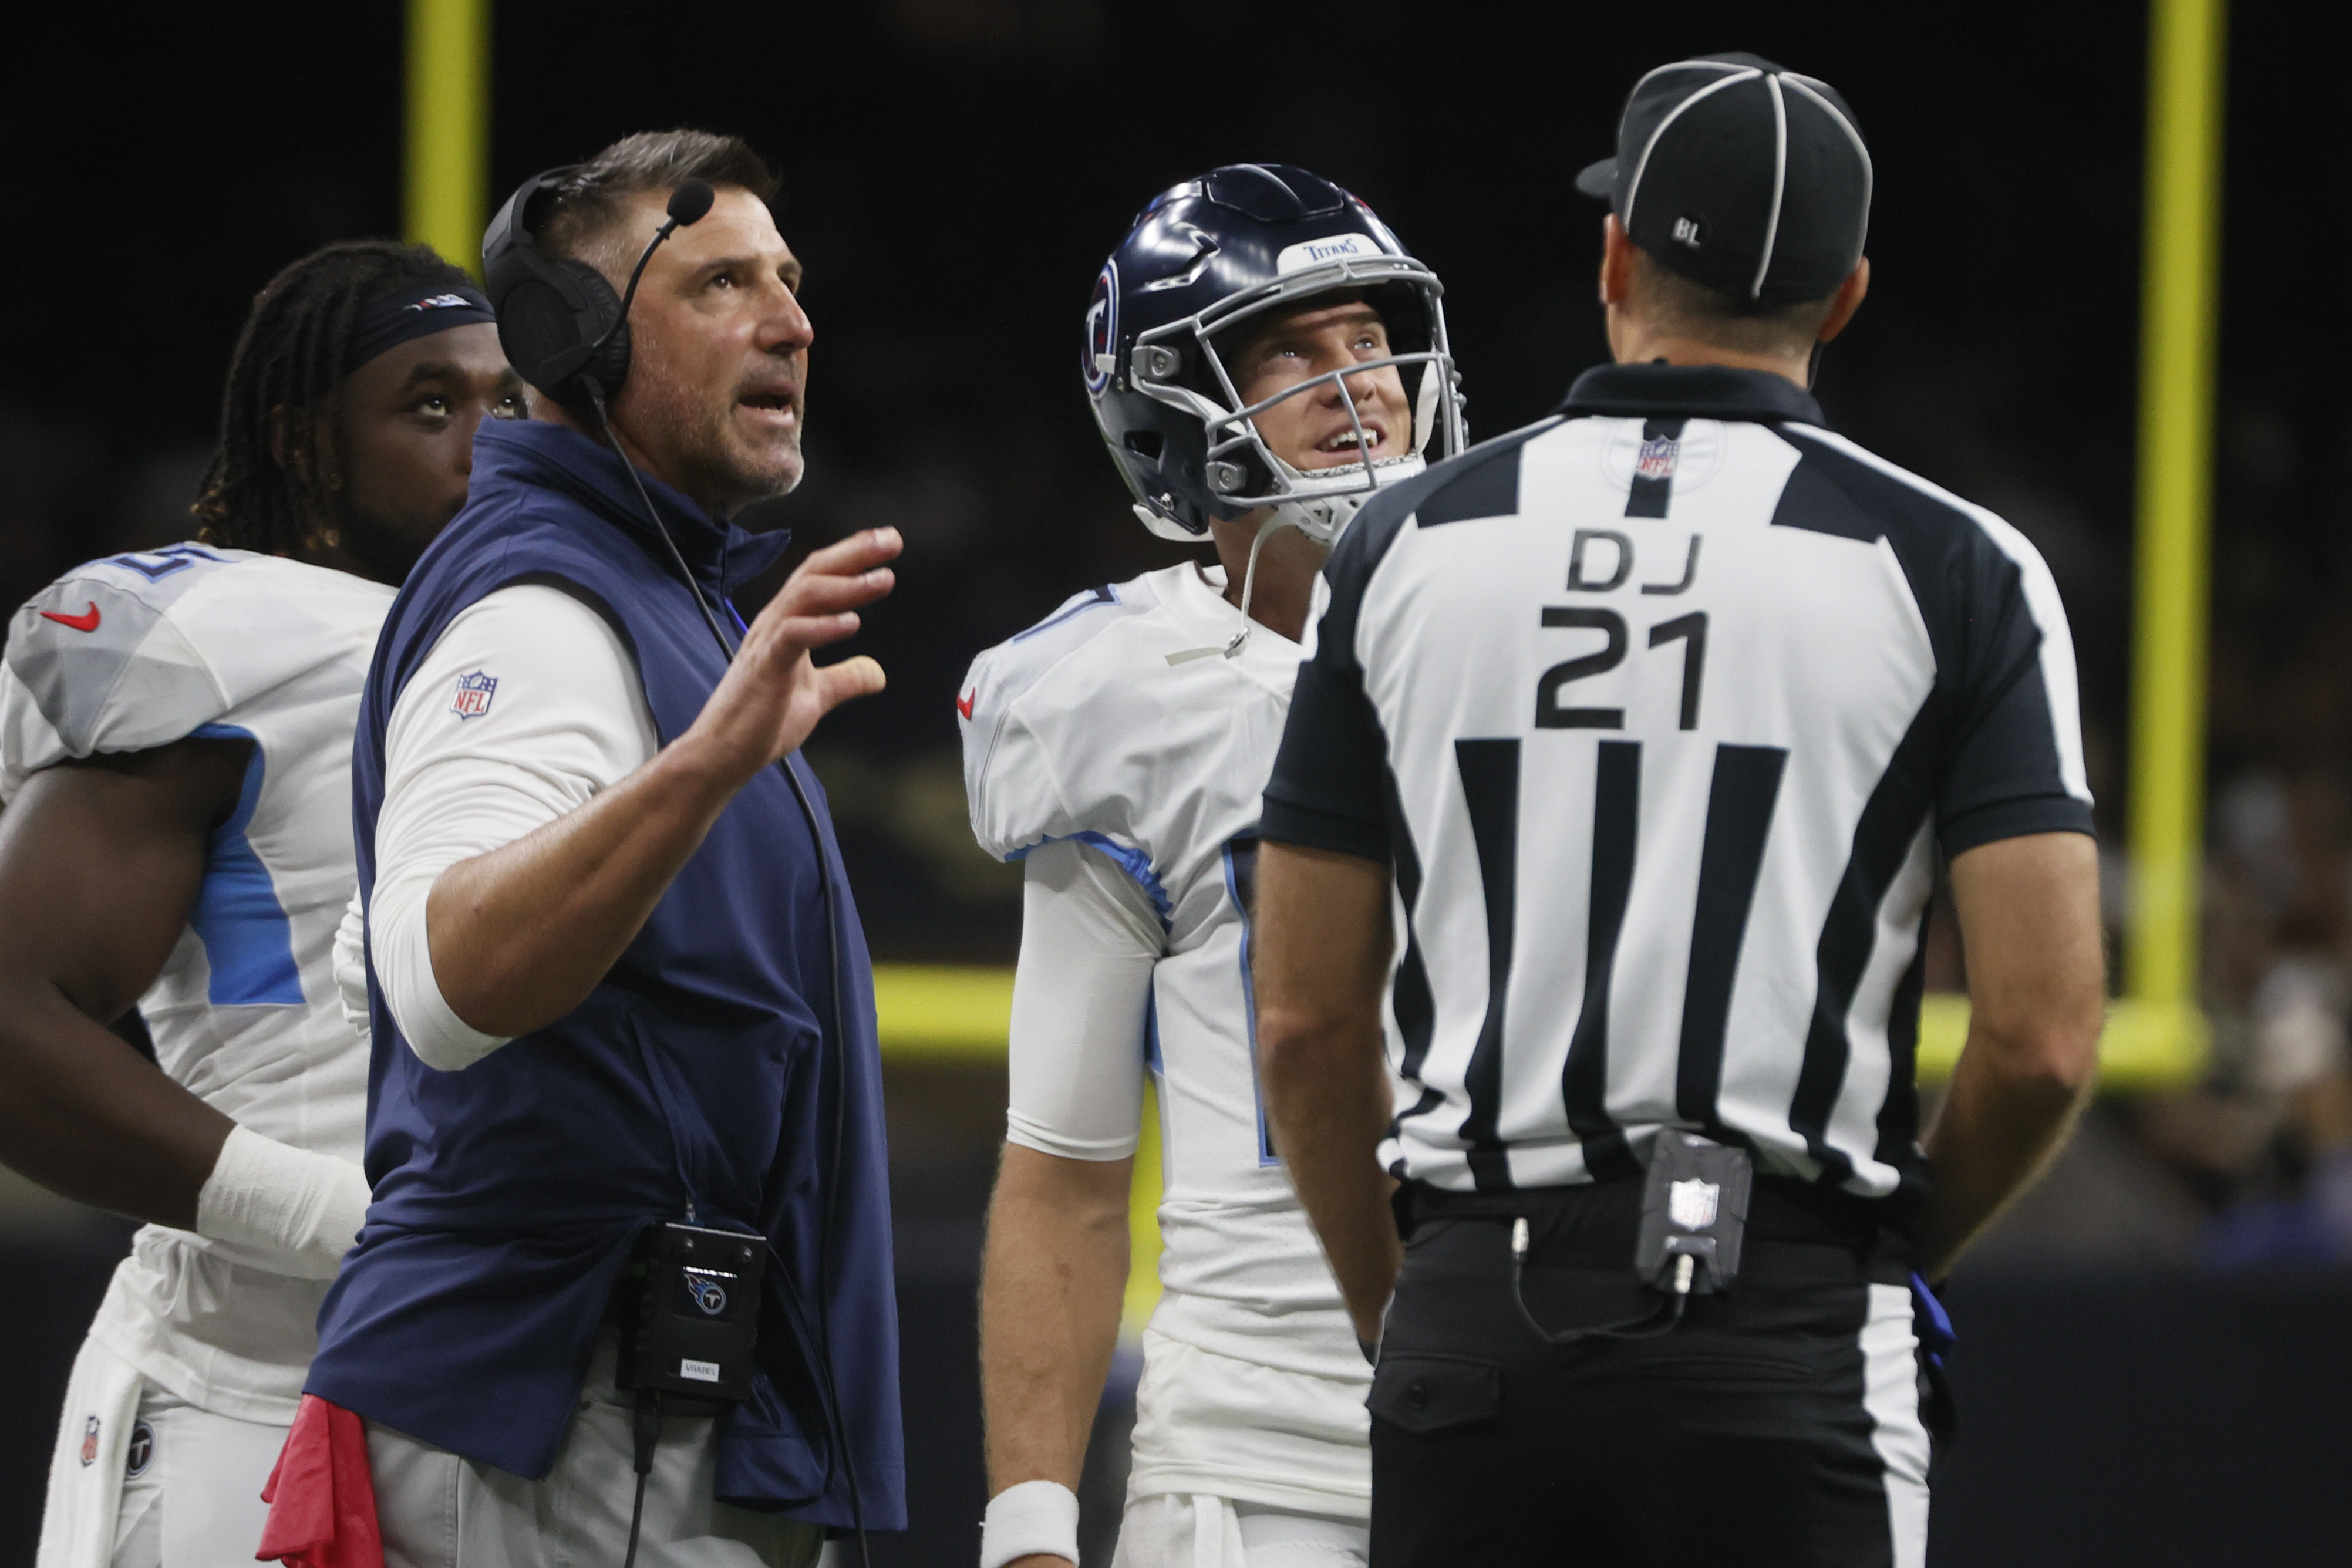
(1322, 519)
(1274, 524)
(1265, 531)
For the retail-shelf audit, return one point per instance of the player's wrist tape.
(1034, 1517)
(298, 1210)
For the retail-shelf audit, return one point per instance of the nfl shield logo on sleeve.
(475, 690)
(90, 1442)
(1691, 1204)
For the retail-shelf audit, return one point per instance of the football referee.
(1654, 719)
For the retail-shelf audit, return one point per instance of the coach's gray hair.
(590, 203)
(1673, 303)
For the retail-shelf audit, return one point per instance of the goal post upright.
(446, 175)
(2187, 45)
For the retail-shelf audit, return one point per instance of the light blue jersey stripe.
(1136, 862)
(249, 941)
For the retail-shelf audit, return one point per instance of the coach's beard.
(713, 456)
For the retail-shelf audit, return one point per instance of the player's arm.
(1323, 943)
(1054, 1273)
(1054, 1278)
(2028, 911)
(100, 862)
(519, 935)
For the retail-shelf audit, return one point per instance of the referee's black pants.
(1777, 1426)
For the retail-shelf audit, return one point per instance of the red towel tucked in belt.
(322, 1498)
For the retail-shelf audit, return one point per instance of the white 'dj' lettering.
(1605, 570)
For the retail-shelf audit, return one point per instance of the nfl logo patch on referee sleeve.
(475, 690)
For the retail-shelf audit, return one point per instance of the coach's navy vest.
(707, 1070)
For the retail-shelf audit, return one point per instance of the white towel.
(86, 1470)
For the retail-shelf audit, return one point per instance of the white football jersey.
(1081, 728)
(139, 651)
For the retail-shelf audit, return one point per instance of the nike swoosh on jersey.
(963, 703)
(85, 621)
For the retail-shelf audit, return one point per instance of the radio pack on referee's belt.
(1695, 1206)
(689, 1311)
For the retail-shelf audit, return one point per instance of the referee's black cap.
(1741, 175)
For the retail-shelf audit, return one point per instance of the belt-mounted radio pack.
(1694, 1216)
(689, 1320)
(689, 1303)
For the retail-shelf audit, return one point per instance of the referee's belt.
(1597, 1221)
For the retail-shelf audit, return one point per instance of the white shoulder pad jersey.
(141, 650)
(1081, 728)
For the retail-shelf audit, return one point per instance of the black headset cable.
(837, 1417)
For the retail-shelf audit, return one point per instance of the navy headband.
(383, 325)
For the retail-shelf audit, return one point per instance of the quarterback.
(1261, 354)
(175, 743)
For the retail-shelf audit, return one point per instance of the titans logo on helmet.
(1102, 329)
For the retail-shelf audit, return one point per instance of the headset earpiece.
(560, 322)
(552, 324)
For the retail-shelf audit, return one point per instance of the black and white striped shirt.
(1660, 709)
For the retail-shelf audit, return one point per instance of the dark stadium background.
(2152, 1366)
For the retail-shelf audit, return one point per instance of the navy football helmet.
(1206, 256)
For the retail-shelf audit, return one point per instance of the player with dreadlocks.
(175, 739)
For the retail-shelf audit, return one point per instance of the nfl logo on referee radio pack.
(475, 690)
(1691, 1204)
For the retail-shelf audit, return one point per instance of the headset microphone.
(690, 202)
(688, 206)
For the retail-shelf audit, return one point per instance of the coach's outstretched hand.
(774, 695)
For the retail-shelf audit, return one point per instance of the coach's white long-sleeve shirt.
(471, 766)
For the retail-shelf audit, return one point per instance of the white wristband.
(1036, 1517)
(297, 1210)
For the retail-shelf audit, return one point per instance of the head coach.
(1653, 718)
(624, 1107)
